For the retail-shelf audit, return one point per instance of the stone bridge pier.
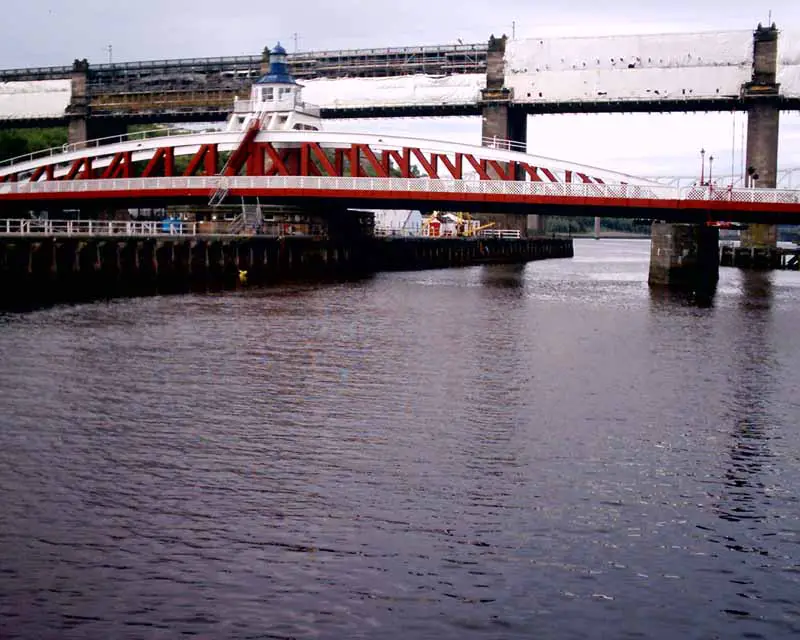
(763, 119)
(502, 121)
(686, 256)
(82, 126)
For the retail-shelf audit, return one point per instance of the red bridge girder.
(253, 158)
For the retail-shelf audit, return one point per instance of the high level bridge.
(672, 72)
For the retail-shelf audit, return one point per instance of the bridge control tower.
(275, 101)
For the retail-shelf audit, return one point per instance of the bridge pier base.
(684, 257)
(763, 121)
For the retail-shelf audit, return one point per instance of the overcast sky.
(49, 32)
(54, 32)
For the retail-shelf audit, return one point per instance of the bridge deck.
(689, 204)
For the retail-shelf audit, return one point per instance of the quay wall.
(46, 270)
(759, 258)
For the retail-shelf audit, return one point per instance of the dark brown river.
(548, 451)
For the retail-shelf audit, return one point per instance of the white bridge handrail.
(187, 142)
(577, 190)
(502, 234)
(173, 227)
(97, 142)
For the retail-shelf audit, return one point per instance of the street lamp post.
(710, 165)
(702, 166)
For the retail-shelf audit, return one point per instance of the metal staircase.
(234, 163)
(220, 194)
(249, 220)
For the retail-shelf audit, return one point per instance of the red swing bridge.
(345, 170)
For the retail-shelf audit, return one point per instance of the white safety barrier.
(444, 187)
(97, 228)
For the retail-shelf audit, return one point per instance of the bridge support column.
(82, 129)
(684, 257)
(82, 126)
(763, 119)
(502, 124)
(78, 109)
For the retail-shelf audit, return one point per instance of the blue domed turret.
(278, 68)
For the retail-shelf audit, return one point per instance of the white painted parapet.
(34, 99)
(789, 62)
(413, 90)
(648, 67)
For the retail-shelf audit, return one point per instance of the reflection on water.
(752, 369)
(665, 297)
(547, 451)
(511, 276)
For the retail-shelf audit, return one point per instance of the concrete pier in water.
(684, 256)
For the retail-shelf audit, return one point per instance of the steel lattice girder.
(253, 158)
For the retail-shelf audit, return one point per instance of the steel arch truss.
(251, 157)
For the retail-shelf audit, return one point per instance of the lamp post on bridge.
(702, 167)
(710, 165)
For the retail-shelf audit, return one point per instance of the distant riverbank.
(613, 235)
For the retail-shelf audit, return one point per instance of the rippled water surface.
(495, 452)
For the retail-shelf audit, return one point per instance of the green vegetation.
(585, 224)
(18, 142)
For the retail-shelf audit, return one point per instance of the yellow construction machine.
(457, 224)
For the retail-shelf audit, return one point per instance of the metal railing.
(129, 228)
(286, 104)
(502, 234)
(494, 142)
(254, 60)
(409, 185)
(98, 142)
(421, 231)
(242, 225)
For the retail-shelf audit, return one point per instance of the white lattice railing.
(408, 185)
(172, 227)
(167, 134)
(503, 234)
(424, 231)
(97, 228)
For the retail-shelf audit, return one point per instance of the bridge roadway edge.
(39, 271)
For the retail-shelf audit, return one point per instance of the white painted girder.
(648, 67)
(187, 144)
(789, 62)
(36, 99)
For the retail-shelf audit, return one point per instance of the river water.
(494, 452)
